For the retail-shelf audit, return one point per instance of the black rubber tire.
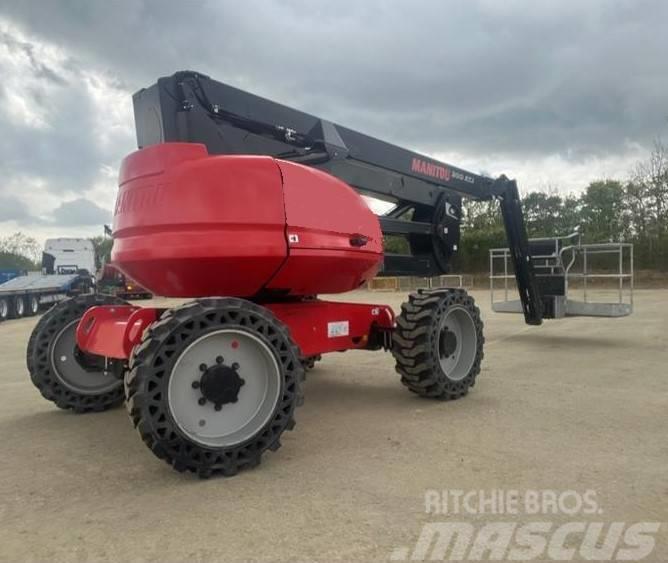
(4, 309)
(415, 344)
(32, 305)
(151, 366)
(17, 307)
(38, 357)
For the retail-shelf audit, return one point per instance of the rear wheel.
(213, 385)
(438, 343)
(64, 374)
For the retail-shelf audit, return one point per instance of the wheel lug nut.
(219, 360)
(218, 407)
(202, 401)
(195, 384)
(235, 365)
(242, 382)
(202, 367)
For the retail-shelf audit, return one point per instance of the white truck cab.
(69, 255)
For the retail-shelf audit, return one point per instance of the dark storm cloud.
(13, 209)
(48, 120)
(38, 68)
(81, 212)
(529, 79)
(75, 213)
(65, 153)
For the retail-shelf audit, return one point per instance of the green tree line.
(19, 251)
(635, 210)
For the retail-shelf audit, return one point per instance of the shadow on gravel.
(552, 340)
(58, 420)
(95, 453)
(90, 451)
(327, 388)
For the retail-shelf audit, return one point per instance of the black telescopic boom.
(513, 219)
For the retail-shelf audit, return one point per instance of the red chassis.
(316, 326)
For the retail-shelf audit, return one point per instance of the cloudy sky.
(552, 93)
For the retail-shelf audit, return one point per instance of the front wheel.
(438, 343)
(213, 385)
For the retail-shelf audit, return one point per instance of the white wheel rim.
(235, 422)
(68, 371)
(457, 360)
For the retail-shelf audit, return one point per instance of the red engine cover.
(187, 224)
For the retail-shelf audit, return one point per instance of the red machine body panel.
(335, 242)
(188, 224)
(319, 327)
(325, 212)
(113, 330)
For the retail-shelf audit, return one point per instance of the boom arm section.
(427, 194)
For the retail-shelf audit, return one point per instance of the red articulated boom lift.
(253, 209)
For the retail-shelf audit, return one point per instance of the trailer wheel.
(213, 385)
(4, 309)
(62, 373)
(438, 343)
(33, 305)
(18, 307)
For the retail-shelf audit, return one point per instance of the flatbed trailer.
(25, 295)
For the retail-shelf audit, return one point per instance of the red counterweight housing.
(187, 224)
